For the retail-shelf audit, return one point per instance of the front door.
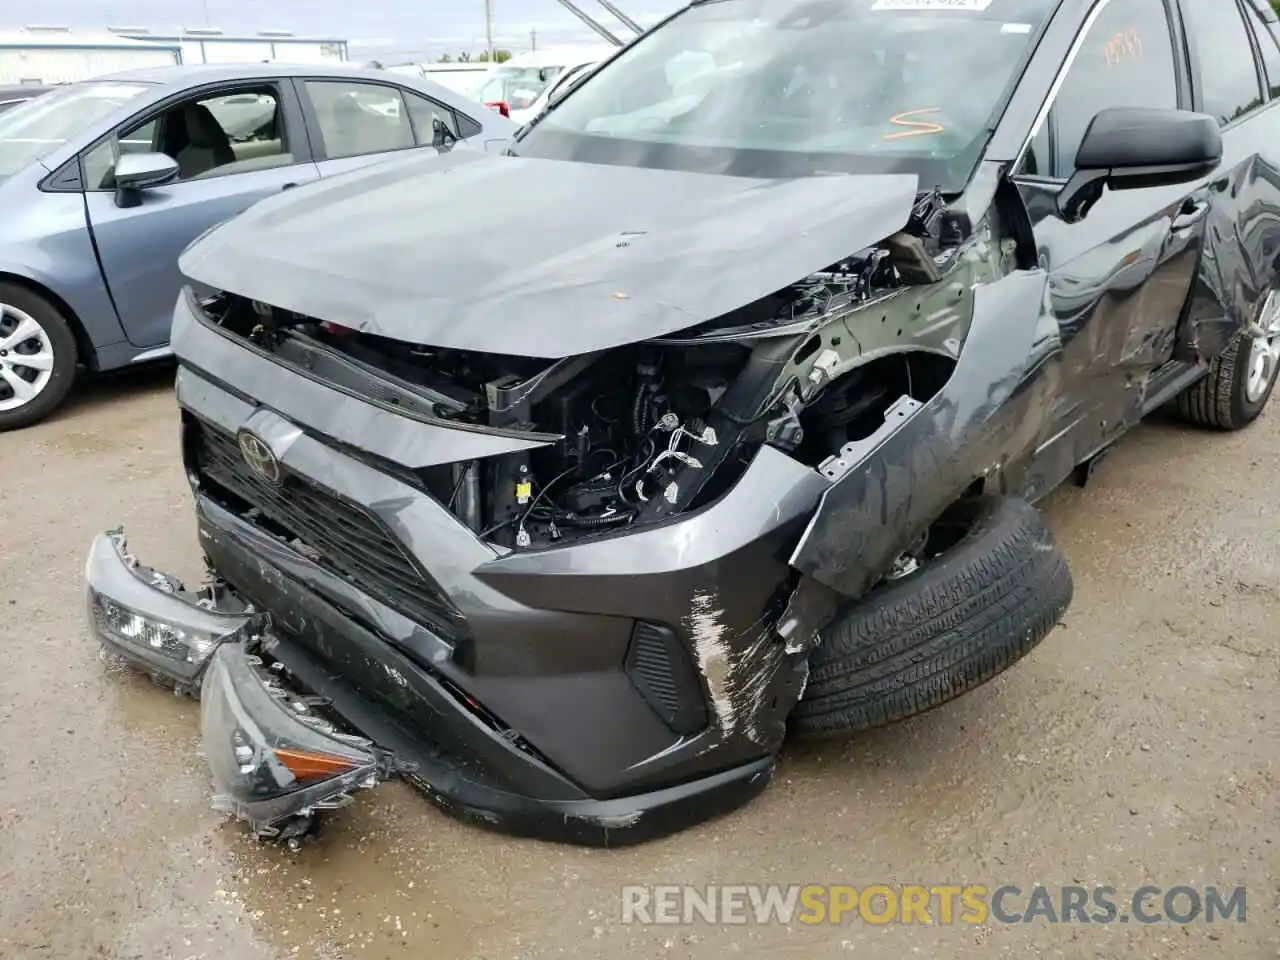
(1120, 277)
(233, 147)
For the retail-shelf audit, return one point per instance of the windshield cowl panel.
(786, 88)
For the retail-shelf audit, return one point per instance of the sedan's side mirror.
(135, 172)
(1126, 148)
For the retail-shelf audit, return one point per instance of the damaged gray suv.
(733, 426)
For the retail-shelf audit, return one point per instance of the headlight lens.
(165, 639)
(144, 617)
(272, 759)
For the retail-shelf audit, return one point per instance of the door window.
(360, 118)
(209, 136)
(1126, 60)
(1270, 47)
(1228, 75)
(424, 114)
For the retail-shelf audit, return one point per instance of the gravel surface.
(1138, 744)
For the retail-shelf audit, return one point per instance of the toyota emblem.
(258, 456)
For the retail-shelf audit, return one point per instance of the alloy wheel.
(1264, 352)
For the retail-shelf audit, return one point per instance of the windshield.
(518, 87)
(783, 88)
(33, 129)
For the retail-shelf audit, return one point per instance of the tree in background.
(498, 56)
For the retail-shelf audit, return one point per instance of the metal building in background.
(211, 45)
(47, 55)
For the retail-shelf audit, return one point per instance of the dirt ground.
(1139, 744)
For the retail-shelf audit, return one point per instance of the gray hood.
(537, 257)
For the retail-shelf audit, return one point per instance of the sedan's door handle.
(1192, 212)
(288, 186)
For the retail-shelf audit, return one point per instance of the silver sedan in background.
(103, 183)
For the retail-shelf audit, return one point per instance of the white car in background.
(566, 79)
(460, 77)
(520, 87)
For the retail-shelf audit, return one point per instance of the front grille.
(342, 535)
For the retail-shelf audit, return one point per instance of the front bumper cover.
(276, 722)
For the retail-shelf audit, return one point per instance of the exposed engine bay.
(640, 433)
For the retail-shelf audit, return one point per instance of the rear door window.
(1228, 82)
(1266, 36)
(359, 118)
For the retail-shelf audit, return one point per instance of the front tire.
(37, 357)
(1240, 379)
(996, 589)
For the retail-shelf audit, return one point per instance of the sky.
(388, 30)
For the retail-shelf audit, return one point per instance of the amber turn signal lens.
(312, 766)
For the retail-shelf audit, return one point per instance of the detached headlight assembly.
(145, 617)
(274, 761)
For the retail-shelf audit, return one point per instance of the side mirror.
(1127, 148)
(135, 172)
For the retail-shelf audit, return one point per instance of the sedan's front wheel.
(37, 357)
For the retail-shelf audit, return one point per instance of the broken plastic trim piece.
(276, 763)
(148, 619)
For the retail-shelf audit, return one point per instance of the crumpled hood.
(539, 258)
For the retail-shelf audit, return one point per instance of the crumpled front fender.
(886, 490)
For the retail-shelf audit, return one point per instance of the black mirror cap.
(1132, 137)
(1127, 148)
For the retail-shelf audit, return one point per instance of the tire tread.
(1209, 402)
(916, 643)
